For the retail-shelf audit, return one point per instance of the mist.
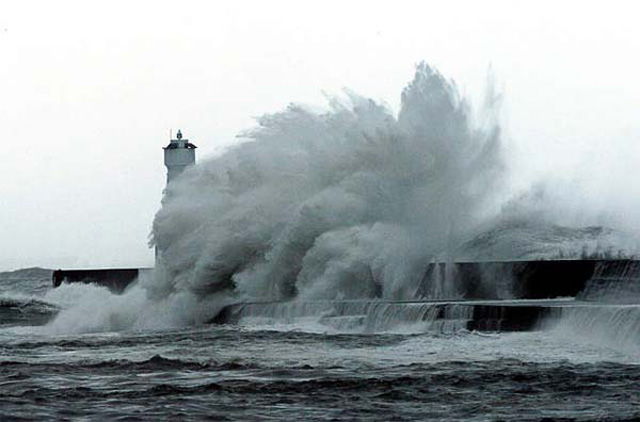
(353, 201)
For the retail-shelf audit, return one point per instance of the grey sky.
(89, 92)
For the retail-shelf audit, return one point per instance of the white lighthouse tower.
(178, 155)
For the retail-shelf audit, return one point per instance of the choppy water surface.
(348, 204)
(279, 371)
(242, 374)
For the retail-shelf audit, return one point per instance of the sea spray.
(616, 327)
(88, 308)
(349, 203)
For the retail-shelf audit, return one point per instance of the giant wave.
(352, 202)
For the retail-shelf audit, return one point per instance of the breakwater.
(492, 296)
(115, 279)
(487, 296)
(470, 280)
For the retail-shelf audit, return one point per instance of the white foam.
(348, 203)
(90, 308)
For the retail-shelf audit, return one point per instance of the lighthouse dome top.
(178, 142)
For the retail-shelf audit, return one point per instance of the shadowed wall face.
(116, 280)
(468, 280)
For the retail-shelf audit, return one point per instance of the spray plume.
(349, 203)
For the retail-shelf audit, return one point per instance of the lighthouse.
(178, 155)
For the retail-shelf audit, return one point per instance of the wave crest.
(343, 203)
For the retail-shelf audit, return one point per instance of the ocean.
(306, 274)
(303, 369)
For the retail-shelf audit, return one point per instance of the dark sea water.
(270, 370)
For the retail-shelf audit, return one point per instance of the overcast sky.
(90, 90)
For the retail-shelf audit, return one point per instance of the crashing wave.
(343, 204)
(349, 203)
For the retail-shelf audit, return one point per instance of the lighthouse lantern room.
(178, 155)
